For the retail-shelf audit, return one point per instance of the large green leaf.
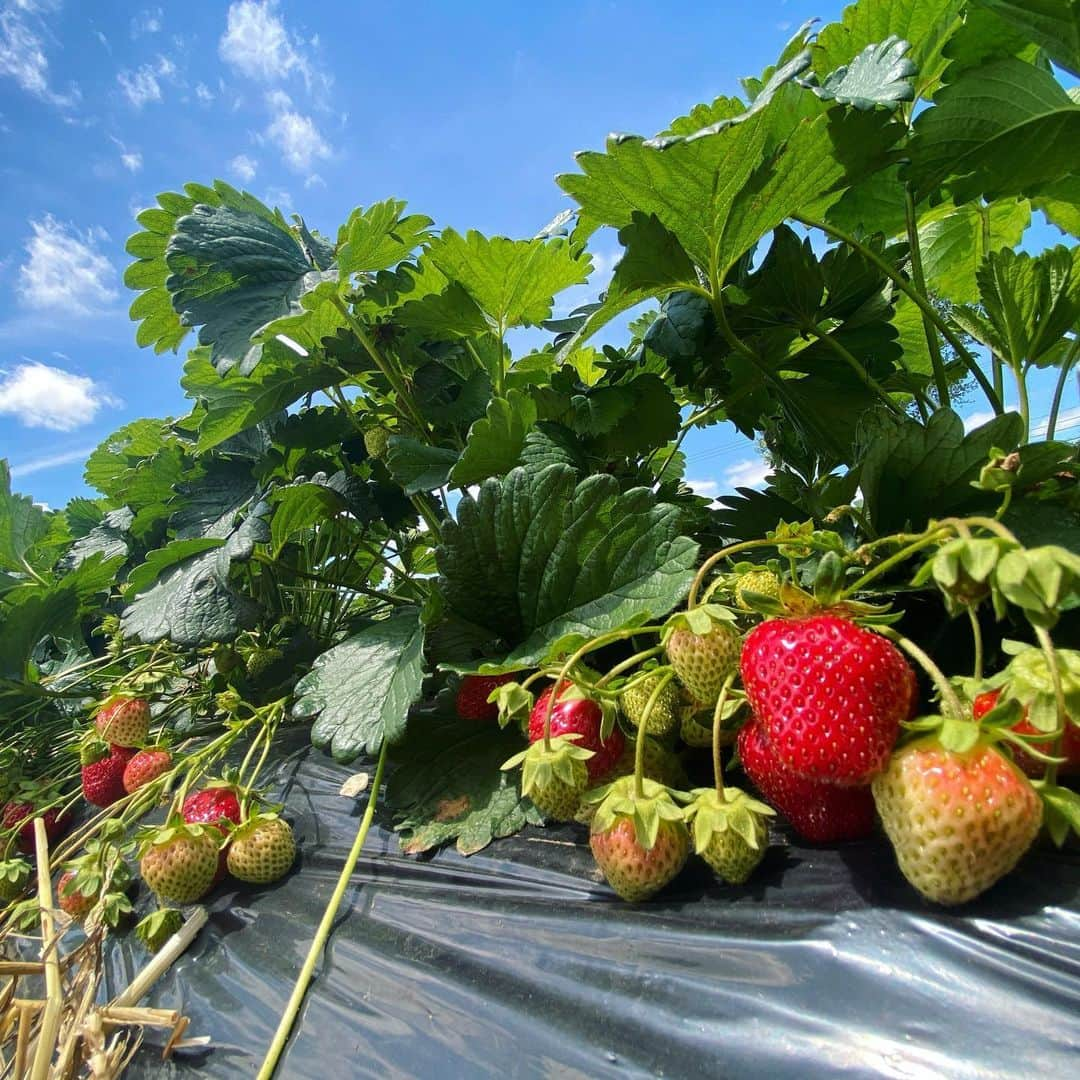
(111, 466)
(1054, 25)
(512, 281)
(299, 507)
(110, 538)
(542, 561)
(380, 237)
(496, 441)
(232, 272)
(172, 554)
(1060, 202)
(22, 524)
(447, 784)
(208, 506)
(912, 474)
(361, 690)
(1003, 129)
(418, 467)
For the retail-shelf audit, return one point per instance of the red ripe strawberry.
(1070, 744)
(820, 813)
(70, 899)
(581, 716)
(145, 766)
(472, 696)
(103, 774)
(124, 721)
(217, 806)
(957, 821)
(21, 815)
(829, 694)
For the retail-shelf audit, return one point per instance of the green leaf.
(110, 539)
(512, 281)
(495, 442)
(447, 785)
(418, 467)
(22, 524)
(911, 473)
(880, 75)
(1003, 129)
(361, 690)
(111, 465)
(160, 560)
(232, 273)
(542, 560)
(552, 444)
(299, 507)
(380, 237)
(1054, 25)
(209, 505)
(951, 241)
(1060, 202)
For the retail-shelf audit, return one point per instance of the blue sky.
(465, 109)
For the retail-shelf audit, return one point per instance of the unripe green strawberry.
(664, 715)
(179, 862)
(375, 441)
(639, 844)
(764, 582)
(124, 721)
(703, 662)
(957, 821)
(658, 763)
(554, 777)
(729, 831)
(158, 927)
(262, 850)
(262, 660)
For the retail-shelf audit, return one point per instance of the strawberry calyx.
(514, 703)
(160, 925)
(698, 620)
(542, 766)
(713, 813)
(619, 800)
(93, 749)
(174, 827)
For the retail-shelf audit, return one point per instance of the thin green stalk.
(718, 716)
(949, 701)
(919, 279)
(732, 549)
(674, 450)
(1025, 404)
(267, 560)
(1059, 389)
(639, 746)
(917, 298)
(863, 375)
(995, 361)
(976, 634)
(902, 555)
(292, 1008)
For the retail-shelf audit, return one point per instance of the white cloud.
(244, 167)
(22, 54)
(40, 396)
(280, 199)
(148, 21)
(298, 139)
(278, 100)
(977, 419)
(142, 87)
(131, 160)
(51, 461)
(64, 271)
(204, 93)
(104, 41)
(257, 43)
(314, 180)
(707, 489)
(750, 472)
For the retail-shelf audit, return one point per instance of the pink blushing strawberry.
(124, 721)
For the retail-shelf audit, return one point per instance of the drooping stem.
(718, 718)
(976, 635)
(949, 700)
(1024, 401)
(1046, 644)
(917, 298)
(625, 665)
(288, 1017)
(639, 746)
(896, 559)
(732, 549)
(1059, 389)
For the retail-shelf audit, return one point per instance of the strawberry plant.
(485, 574)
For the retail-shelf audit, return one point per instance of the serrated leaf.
(208, 507)
(380, 237)
(447, 785)
(539, 560)
(1060, 202)
(1054, 25)
(552, 444)
(360, 691)
(299, 507)
(110, 539)
(22, 524)
(1003, 129)
(418, 467)
(495, 442)
(880, 75)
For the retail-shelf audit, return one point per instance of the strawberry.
(472, 696)
(1070, 743)
(103, 773)
(262, 850)
(217, 806)
(21, 815)
(581, 716)
(123, 721)
(76, 903)
(145, 766)
(554, 776)
(665, 710)
(180, 861)
(820, 813)
(376, 440)
(729, 831)
(659, 763)
(957, 821)
(639, 844)
(763, 582)
(703, 662)
(829, 695)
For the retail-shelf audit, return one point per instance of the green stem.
(732, 549)
(976, 634)
(995, 360)
(919, 279)
(718, 717)
(949, 701)
(639, 746)
(861, 373)
(1047, 646)
(288, 1017)
(674, 450)
(900, 556)
(917, 298)
(625, 665)
(1025, 403)
(388, 597)
(1059, 389)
